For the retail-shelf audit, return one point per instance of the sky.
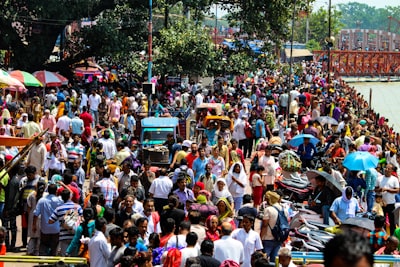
(375, 3)
(324, 3)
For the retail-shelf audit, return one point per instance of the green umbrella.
(26, 78)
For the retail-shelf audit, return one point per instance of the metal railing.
(318, 258)
(42, 259)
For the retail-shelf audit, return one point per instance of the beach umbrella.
(6, 81)
(358, 224)
(50, 79)
(326, 120)
(299, 139)
(360, 161)
(26, 78)
(330, 181)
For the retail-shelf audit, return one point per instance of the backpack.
(71, 220)
(281, 229)
(135, 163)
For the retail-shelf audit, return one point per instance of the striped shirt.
(58, 215)
(74, 151)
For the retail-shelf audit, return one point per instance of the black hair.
(67, 177)
(134, 178)
(249, 217)
(109, 214)
(106, 173)
(247, 198)
(30, 169)
(185, 225)
(379, 221)
(191, 239)
(350, 247)
(169, 225)
(117, 232)
(194, 217)
(88, 214)
(260, 168)
(155, 238)
(65, 195)
(173, 201)
(140, 221)
(207, 247)
(100, 223)
(52, 189)
(132, 231)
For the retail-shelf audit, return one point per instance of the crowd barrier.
(304, 258)
(42, 259)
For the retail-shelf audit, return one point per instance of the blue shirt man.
(306, 152)
(199, 164)
(183, 192)
(49, 235)
(370, 180)
(76, 125)
(260, 128)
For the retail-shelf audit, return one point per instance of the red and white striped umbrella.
(50, 79)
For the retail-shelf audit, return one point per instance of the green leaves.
(184, 48)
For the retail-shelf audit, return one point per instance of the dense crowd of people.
(86, 190)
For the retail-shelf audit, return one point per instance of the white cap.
(186, 143)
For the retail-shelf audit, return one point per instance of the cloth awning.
(14, 141)
(298, 53)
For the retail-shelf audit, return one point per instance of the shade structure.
(82, 71)
(360, 161)
(299, 139)
(50, 79)
(6, 81)
(26, 78)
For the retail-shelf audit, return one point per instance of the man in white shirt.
(199, 98)
(94, 102)
(190, 250)
(160, 189)
(84, 101)
(153, 218)
(109, 147)
(388, 185)
(50, 98)
(63, 124)
(249, 238)
(99, 250)
(227, 247)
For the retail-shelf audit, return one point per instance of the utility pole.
(150, 42)
(329, 41)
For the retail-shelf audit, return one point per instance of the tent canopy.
(298, 53)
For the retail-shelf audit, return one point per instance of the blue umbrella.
(299, 139)
(360, 161)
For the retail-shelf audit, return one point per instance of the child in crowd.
(377, 208)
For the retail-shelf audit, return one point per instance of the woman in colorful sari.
(225, 212)
(60, 110)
